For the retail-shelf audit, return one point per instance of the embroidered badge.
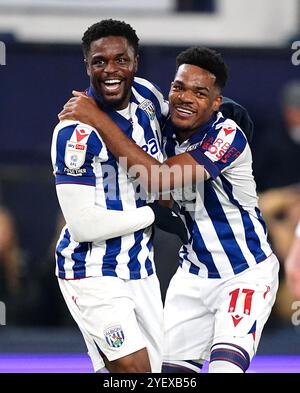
(148, 107)
(114, 336)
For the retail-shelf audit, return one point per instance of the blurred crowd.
(277, 173)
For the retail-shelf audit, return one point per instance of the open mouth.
(183, 112)
(112, 85)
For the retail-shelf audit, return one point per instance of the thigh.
(188, 324)
(244, 304)
(105, 313)
(149, 313)
(70, 295)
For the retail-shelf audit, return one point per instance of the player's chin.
(114, 101)
(181, 124)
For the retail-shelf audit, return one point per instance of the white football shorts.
(117, 317)
(200, 312)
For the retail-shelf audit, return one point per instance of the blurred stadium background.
(44, 63)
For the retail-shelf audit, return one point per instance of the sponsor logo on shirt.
(220, 149)
(151, 147)
(81, 134)
(75, 155)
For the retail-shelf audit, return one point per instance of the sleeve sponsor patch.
(75, 155)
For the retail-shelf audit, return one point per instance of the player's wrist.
(149, 214)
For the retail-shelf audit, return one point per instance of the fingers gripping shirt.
(228, 234)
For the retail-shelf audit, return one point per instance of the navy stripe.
(109, 261)
(251, 236)
(253, 328)
(144, 122)
(64, 243)
(196, 364)
(110, 176)
(79, 257)
(223, 229)
(149, 262)
(229, 355)
(113, 202)
(170, 368)
(200, 249)
(244, 352)
(261, 220)
(134, 264)
(69, 179)
(202, 159)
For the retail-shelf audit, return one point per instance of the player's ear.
(136, 63)
(217, 102)
(87, 66)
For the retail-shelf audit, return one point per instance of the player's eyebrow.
(200, 88)
(101, 56)
(195, 87)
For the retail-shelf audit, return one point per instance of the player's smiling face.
(193, 98)
(111, 64)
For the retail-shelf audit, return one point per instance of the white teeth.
(184, 111)
(112, 81)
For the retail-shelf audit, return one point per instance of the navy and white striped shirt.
(80, 156)
(227, 232)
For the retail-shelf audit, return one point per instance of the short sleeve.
(75, 148)
(220, 148)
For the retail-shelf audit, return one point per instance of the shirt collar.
(124, 124)
(169, 132)
(200, 133)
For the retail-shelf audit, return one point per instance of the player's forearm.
(133, 159)
(154, 176)
(88, 222)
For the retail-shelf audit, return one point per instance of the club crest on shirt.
(148, 107)
(75, 154)
(114, 336)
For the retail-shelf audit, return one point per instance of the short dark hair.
(206, 58)
(108, 27)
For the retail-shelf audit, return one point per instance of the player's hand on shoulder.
(81, 108)
(168, 220)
